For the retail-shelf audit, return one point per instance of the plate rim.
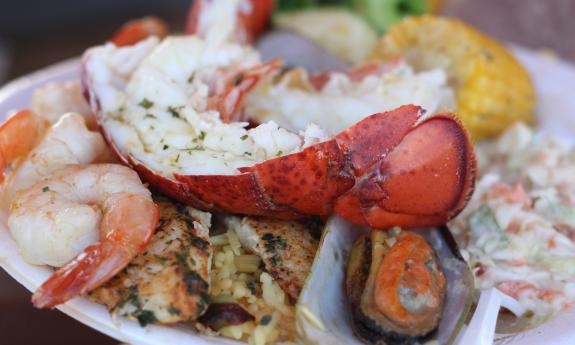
(126, 330)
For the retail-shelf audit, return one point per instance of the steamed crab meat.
(390, 168)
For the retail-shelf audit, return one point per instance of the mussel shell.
(322, 312)
(509, 324)
(460, 284)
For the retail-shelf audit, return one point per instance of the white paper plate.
(554, 80)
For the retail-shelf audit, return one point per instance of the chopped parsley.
(276, 261)
(146, 317)
(151, 116)
(204, 302)
(200, 243)
(195, 148)
(192, 77)
(252, 286)
(279, 153)
(202, 135)
(161, 259)
(247, 153)
(244, 137)
(267, 237)
(132, 297)
(273, 244)
(175, 111)
(194, 282)
(146, 103)
(265, 320)
(45, 189)
(181, 259)
(173, 310)
(165, 147)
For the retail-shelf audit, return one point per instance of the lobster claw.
(421, 182)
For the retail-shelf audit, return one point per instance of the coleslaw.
(518, 231)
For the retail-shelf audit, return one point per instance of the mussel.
(395, 287)
(384, 287)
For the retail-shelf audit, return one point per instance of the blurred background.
(37, 33)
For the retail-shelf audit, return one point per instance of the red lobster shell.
(388, 169)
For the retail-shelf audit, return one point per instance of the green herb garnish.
(175, 111)
(191, 77)
(146, 103)
(173, 310)
(195, 148)
(265, 320)
(146, 317)
(276, 261)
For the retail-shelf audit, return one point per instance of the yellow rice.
(237, 275)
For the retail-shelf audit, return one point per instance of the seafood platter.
(293, 173)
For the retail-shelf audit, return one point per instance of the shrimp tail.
(128, 224)
(13, 144)
(93, 267)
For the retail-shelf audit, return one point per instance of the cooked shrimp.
(18, 135)
(54, 99)
(67, 142)
(51, 219)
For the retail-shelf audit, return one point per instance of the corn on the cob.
(492, 89)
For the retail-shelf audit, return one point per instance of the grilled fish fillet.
(169, 281)
(287, 249)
